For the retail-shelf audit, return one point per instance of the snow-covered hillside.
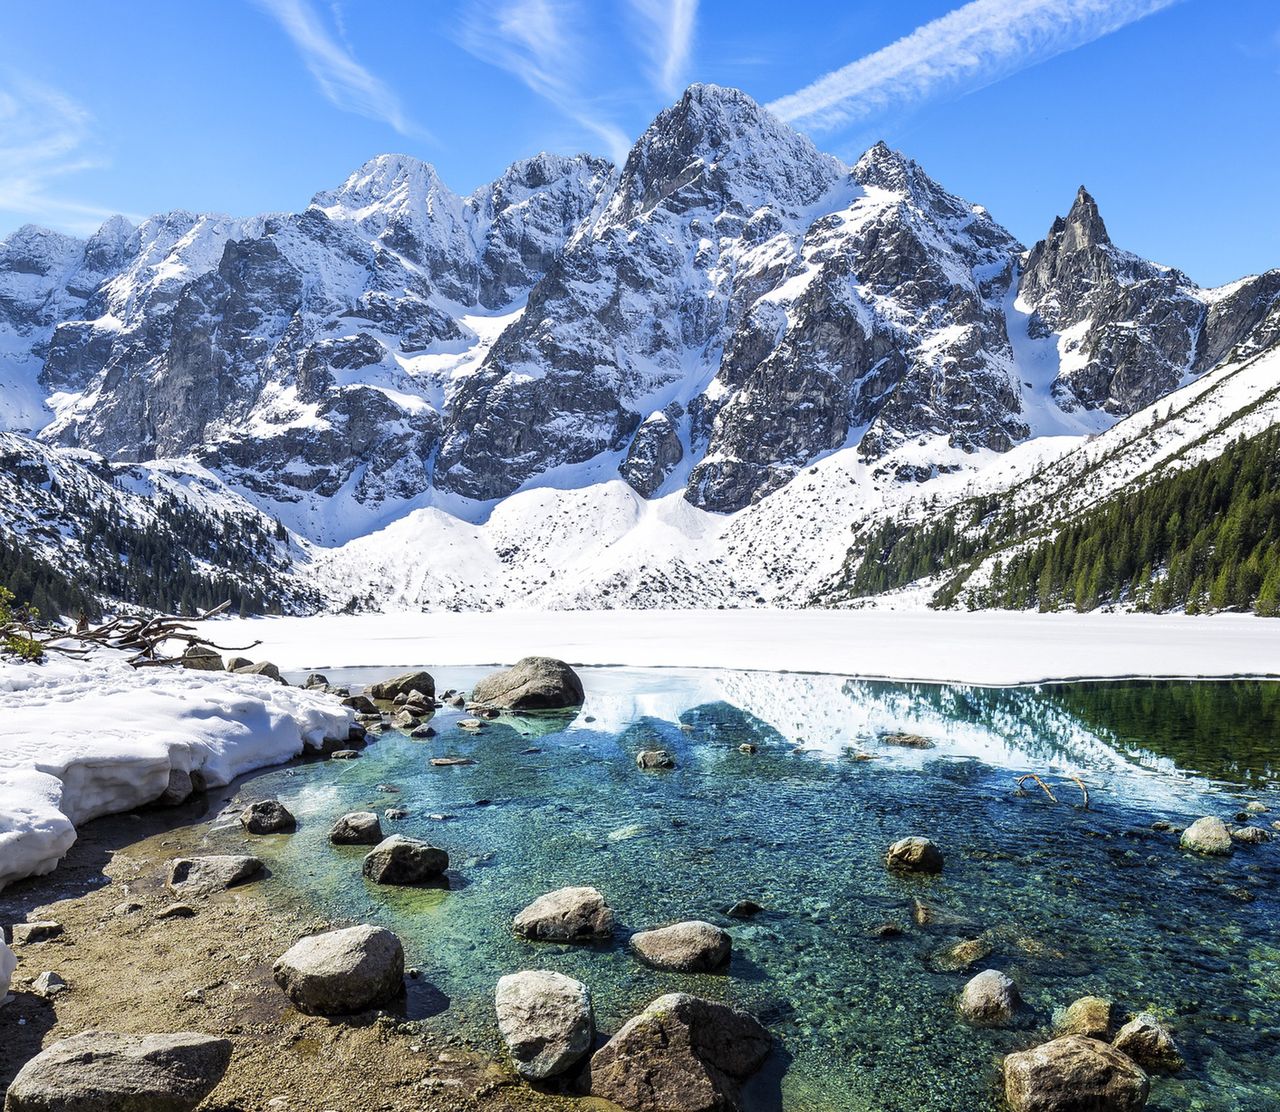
(680, 381)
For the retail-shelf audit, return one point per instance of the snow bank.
(986, 648)
(80, 739)
(8, 963)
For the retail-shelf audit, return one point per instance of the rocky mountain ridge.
(714, 319)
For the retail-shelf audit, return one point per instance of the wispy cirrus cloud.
(345, 83)
(45, 138)
(668, 27)
(971, 47)
(542, 43)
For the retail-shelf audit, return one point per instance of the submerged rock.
(268, 816)
(1209, 836)
(404, 861)
(421, 682)
(906, 741)
(991, 999)
(691, 947)
(1074, 1074)
(655, 759)
(1092, 1016)
(566, 915)
(199, 876)
(1147, 1041)
(342, 971)
(962, 955)
(681, 1054)
(913, 855)
(101, 1071)
(743, 909)
(359, 828)
(546, 1020)
(1250, 835)
(534, 683)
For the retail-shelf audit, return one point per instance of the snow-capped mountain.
(680, 381)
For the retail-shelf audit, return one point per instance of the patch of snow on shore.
(93, 737)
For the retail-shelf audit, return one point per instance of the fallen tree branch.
(1022, 779)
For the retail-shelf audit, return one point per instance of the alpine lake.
(1069, 899)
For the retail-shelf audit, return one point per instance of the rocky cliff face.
(714, 317)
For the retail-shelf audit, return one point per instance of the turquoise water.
(1071, 901)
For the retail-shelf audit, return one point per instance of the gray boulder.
(40, 930)
(691, 947)
(359, 828)
(402, 685)
(534, 683)
(990, 999)
(199, 876)
(650, 759)
(1208, 836)
(913, 855)
(201, 659)
(1074, 1074)
(262, 668)
(101, 1071)
(342, 971)
(566, 915)
(1250, 835)
(1147, 1041)
(681, 1054)
(268, 816)
(402, 861)
(546, 1020)
(178, 790)
(316, 679)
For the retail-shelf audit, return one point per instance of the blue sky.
(1165, 109)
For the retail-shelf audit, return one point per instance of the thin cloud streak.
(45, 137)
(966, 49)
(538, 42)
(345, 83)
(668, 39)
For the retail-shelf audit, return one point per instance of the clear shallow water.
(1071, 901)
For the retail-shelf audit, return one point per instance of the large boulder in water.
(681, 1054)
(342, 971)
(546, 1020)
(402, 685)
(101, 1071)
(358, 828)
(1209, 836)
(1074, 1074)
(268, 816)
(566, 915)
(401, 860)
(913, 855)
(534, 683)
(990, 999)
(691, 947)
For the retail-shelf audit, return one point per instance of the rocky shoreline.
(146, 933)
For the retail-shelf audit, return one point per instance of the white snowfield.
(997, 648)
(85, 738)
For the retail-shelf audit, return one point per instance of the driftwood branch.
(145, 637)
(1022, 780)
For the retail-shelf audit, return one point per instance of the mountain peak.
(882, 166)
(722, 145)
(386, 183)
(1084, 226)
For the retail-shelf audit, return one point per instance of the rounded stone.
(1208, 836)
(566, 915)
(990, 999)
(546, 1020)
(690, 947)
(402, 861)
(533, 683)
(268, 816)
(342, 971)
(913, 855)
(358, 828)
